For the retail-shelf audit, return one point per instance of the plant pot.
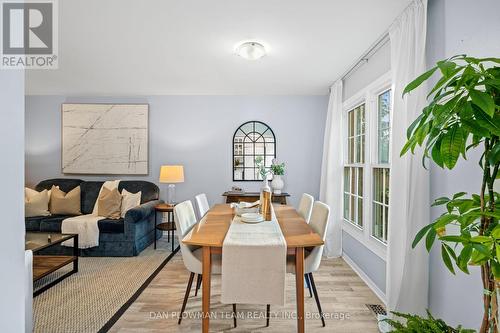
(277, 184)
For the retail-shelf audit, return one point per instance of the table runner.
(254, 263)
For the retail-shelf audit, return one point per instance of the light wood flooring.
(343, 296)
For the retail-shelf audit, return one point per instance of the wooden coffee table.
(44, 265)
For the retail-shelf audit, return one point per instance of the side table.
(168, 226)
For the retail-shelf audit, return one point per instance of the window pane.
(238, 161)
(238, 174)
(351, 123)
(386, 223)
(352, 209)
(346, 179)
(346, 206)
(360, 182)
(360, 212)
(249, 161)
(353, 181)
(269, 148)
(377, 221)
(386, 189)
(384, 118)
(259, 148)
(351, 150)
(377, 184)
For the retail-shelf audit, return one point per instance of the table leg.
(299, 281)
(154, 229)
(207, 266)
(168, 231)
(75, 253)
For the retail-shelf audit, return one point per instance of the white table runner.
(254, 263)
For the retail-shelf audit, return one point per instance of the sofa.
(124, 237)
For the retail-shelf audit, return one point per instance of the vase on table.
(277, 184)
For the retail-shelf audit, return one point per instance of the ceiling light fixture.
(251, 50)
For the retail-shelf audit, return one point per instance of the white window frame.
(368, 96)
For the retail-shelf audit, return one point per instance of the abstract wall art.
(105, 139)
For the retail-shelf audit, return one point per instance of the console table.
(253, 196)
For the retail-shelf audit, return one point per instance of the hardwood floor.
(342, 293)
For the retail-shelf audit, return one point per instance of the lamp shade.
(172, 174)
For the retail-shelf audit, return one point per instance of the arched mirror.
(253, 141)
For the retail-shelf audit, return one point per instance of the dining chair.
(185, 220)
(320, 217)
(202, 204)
(305, 206)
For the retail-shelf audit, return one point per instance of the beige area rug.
(87, 300)
(343, 297)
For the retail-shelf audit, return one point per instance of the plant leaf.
(484, 101)
(446, 259)
(429, 240)
(421, 234)
(452, 145)
(419, 80)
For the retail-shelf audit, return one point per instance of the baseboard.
(376, 290)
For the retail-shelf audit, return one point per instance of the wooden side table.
(168, 226)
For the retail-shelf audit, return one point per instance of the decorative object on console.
(62, 203)
(171, 174)
(252, 140)
(277, 170)
(105, 139)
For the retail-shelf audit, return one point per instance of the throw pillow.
(129, 201)
(109, 203)
(29, 193)
(36, 204)
(63, 203)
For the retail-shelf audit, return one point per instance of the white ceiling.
(160, 47)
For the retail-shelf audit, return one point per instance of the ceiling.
(173, 47)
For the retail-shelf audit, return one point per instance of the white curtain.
(331, 171)
(407, 269)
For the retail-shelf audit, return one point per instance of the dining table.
(210, 232)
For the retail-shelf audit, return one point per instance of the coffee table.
(43, 264)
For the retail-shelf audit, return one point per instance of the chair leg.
(188, 290)
(308, 284)
(317, 299)
(234, 315)
(198, 284)
(268, 314)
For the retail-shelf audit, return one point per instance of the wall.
(457, 27)
(12, 199)
(372, 265)
(196, 131)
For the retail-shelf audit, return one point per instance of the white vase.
(277, 184)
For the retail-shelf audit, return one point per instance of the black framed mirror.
(252, 140)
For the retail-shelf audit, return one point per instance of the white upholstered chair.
(305, 206)
(319, 223)
(185, 220)
(202, 204)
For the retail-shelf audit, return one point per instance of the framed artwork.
(105, 139)
(252, 140)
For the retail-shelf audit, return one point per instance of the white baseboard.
(380, 294)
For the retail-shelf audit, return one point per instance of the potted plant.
(463, 114)
(277, 170)
(259, 162)
(414, 323)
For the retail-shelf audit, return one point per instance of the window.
(353, 171)
(367, 117)
(382, 170)
(252, 140)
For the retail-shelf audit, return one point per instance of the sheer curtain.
(331, 171)
(407, 269)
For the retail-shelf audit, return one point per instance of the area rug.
(94, 298)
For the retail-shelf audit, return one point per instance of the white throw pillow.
(36, 203)
(129, 201)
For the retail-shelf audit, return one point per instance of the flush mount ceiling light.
(251, 50)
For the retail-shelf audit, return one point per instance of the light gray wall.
(371, 264)
(378, 64)
(457, 27)
(12, 201)
(196, 131)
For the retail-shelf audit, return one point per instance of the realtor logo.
(29, 34)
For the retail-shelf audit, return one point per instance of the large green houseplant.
(463, 113)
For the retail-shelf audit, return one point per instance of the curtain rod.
(377, 45)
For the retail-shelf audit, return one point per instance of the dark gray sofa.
(117, 238)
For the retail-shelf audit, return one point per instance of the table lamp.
(171, 174)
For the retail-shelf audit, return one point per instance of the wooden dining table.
(210, 232)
